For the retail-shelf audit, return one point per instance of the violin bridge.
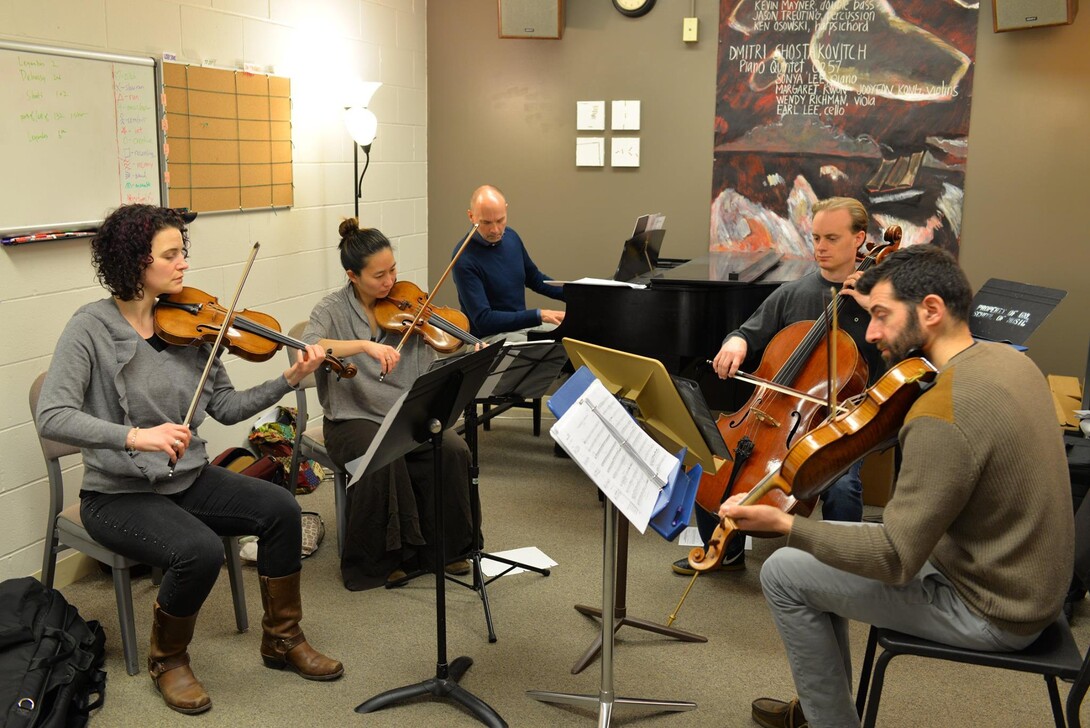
(765, 417)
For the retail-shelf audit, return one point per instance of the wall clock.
(633, 8)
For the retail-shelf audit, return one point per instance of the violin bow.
(219, 340)
(427, 301)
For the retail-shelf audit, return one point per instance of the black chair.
(1053, 655)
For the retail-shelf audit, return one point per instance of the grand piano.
(681, 312)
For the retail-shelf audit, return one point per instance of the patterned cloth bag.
(273, 435)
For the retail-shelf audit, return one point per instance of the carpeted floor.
(387, 639)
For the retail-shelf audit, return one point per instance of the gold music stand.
(645, 388)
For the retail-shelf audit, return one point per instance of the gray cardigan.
(90, 395)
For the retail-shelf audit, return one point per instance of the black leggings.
(182, 533)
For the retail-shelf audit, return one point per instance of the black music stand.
(524, 371)
(433, 404)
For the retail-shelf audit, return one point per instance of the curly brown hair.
(121, 250)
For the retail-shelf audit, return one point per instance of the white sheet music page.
(623, 461)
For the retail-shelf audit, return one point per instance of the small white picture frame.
(625, 152)
(590, 151)
(590, 115)
(626, 115)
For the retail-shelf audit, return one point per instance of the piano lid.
(733, 268)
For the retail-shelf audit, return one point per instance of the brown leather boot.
(168, 663)
(282, 641)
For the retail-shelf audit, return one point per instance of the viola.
(444, 329)
(193, 317)
(826, 452)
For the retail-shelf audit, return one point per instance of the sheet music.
(624, 462)
(607, 282)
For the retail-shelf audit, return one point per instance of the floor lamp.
(362, 125)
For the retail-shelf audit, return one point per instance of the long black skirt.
(391, 512)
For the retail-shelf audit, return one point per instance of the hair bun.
(349, 226)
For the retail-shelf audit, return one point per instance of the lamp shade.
(361, 123)
(361, 92)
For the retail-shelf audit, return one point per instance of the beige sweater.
(983, 492)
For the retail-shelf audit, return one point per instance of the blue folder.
(674, 507)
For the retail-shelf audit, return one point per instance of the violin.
(764, 429)
(444, 329)
(826, 452)
(193, 317)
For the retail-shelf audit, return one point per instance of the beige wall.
(503, 111)
(320, 44)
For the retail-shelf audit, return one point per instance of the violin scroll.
(707, 558)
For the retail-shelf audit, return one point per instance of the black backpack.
(50, 659)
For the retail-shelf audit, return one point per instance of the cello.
(760, 433)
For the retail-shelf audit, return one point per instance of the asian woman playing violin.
(119, 392)
(390, 512)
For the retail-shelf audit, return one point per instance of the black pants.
(182, 533)
(391, 516)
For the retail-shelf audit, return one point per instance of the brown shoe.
(772, 713)
(168, 663)
(458, 568)
(282, 641)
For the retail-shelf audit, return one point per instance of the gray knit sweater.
(340, 316)
(983, 493)
(101, 384)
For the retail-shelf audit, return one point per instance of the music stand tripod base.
(479, 582)
(605, 700)
(620, 610)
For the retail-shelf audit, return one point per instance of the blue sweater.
(492, 282)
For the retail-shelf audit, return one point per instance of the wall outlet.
(688, 30)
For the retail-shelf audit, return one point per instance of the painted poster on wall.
(857, 98)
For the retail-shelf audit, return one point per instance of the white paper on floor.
(529, 555)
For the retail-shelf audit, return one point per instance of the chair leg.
(49, 560)
(864, 674)
(1054, 700)
(537, 417)
(876, 688)
(484, 416)
(238, 593)
(340, 506)
(125, 618)
(1075, 696)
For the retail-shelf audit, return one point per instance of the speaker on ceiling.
(531, 18)
(1023, 14)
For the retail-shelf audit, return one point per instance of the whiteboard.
(79, 136)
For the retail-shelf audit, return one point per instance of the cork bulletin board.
(228, 138)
